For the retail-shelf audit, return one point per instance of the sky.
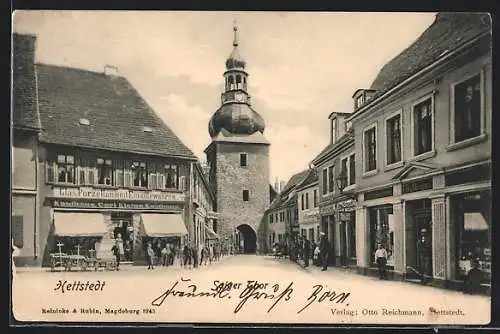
(302, 66)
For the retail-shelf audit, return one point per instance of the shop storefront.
(88, 222)
(345, 211)
(472, 220)
(327, 213)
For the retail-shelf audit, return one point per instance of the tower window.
(238, 81)
(243, 160)
(246, 195)
(231, 82)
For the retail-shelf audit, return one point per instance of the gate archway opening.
(247, 239)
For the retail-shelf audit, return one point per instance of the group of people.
(301, 249)
(191, 256)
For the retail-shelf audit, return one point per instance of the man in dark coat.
(306, 251)
(324, 248)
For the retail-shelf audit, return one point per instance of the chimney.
(111, 70)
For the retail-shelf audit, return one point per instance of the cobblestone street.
(351, 298)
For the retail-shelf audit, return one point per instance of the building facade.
(204, 216)
(102, 166)
(308, 207)
(422, 138)
(336, 169)
(282, 216)
(25, 129)
(238, 157)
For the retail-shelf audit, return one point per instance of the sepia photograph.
(195, 167)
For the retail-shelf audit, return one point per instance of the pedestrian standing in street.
(164, 256)
(210, 253)
(306, 252)
(324, 248)
(381, 260)
(151, 255)
(187, 259)
(171, 255)
(204, 255)
(316, 255)
(118, 250)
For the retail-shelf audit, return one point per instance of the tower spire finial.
(235, 29)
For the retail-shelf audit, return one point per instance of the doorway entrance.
(248, 239)
(124, 229)
(419, 238)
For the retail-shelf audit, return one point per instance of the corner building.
(422, 137)
(238, 159)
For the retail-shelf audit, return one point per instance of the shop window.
(139, 174)
(246, 195)
(467, 108)
(422, 127)
(66, 168)
(172, 176)
(370, 149)
(18, 231)
(393, 138)
(104, 171)
(472, 213)
(243, 160)
(382, 232)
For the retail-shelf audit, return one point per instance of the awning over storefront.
(475, 221)
(79, 224)
(210, 234)
(163, 225)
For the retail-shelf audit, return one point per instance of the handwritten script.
(251, 291)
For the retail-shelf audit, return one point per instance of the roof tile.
(116, 112)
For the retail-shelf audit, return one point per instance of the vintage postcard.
(251, 167)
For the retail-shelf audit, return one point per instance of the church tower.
(238, 158)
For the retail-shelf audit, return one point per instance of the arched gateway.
(247, 239)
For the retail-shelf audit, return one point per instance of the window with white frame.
(393, 139)
(243, 160)
(172, 176)
(347, 168)
(271, 216)
(328, 180)
(140, 174)
(105, 171)
(370, 149)
(422, 127)
(467, 108)
(352, 170)
(331, 179)
(325, 181)
(66, 168)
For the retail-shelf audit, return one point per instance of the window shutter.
(50, 172)
(160, 179)
(118, 173)
(92, 176)
(182, 183)
(81, 175)
(17, 231)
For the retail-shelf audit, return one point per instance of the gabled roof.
(25, 113)
(295, 180)
(447, 32)
(283, 198)
(309, 180)
(119, 118)
(349, 135)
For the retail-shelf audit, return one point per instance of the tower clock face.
(239, 97)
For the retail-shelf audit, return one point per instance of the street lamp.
(341, 181)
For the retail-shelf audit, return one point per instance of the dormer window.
(360, 100)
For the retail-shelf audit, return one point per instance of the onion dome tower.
(236, 115)
(238, 159)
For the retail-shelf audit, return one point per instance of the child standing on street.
(151, 255)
